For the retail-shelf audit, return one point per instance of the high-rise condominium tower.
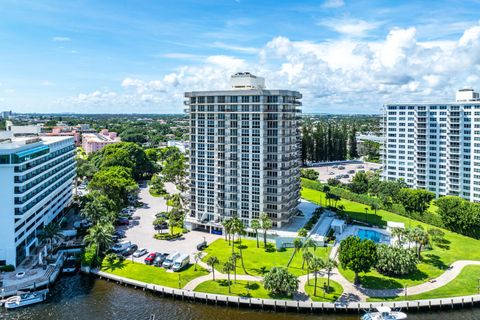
(244, 153)
(435, 146)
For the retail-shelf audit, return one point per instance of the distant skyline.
(140, 56)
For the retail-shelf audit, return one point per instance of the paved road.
(141, 230)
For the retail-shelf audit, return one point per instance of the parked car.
(157, 262)
(122, 221)
(351, 171)
(82, 224)
(335, 167)
(339, 176)
(361, 167)
(346, 176)
(331, 173)
(170, 260)
(140, 252)
(131, 249)
(119, 247)
(202, 245)
(341, 168)
(181, 262)
(151, 257)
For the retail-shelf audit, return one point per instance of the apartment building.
(244, 153)
(435, 146)
(36, 185)
(92, 142)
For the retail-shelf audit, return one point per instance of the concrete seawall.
(291, 305)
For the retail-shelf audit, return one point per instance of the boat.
(70, 266)
(384, 313)
(25, 299)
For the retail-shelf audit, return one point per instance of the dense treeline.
(329, 138)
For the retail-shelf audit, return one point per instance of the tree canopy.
(114, 182)
(357, 255)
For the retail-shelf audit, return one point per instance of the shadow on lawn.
(112, 266)
(434, 260)
(370, 218)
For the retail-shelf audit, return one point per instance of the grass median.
(259, 260)
(153, 275)
(334, 291)
(242, 288)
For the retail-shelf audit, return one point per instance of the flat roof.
(239, 92)
(23, 142)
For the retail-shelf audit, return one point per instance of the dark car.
(130, 250)
(157, 262)
(123, 221)
(151, 257)
(202, 245)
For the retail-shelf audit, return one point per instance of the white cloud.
(182, 56)
(333, 4)
(61, 39)
(346, 75)
(351, 27)
(241, 49)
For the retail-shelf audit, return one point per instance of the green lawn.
(334, 292)
(465, 284)
(151, 274)
(434, 262)
(248, 289)
(154, 194)
(258, 260)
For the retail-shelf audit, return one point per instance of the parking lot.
(335, 170)
(141, 229)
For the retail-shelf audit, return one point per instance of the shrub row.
(314, 218)
(167, 236)
(397, 208)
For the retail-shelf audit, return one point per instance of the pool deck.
(352, 230)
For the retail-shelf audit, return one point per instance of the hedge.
(426, 217)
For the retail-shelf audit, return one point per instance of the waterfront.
(84, 297)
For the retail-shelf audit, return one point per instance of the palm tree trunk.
(213, 272)
(291, 257)
(265, 238)
(328, 281)
(315, 285)
(256, 234)
(235, 270)
(241, 255)
(229, 290)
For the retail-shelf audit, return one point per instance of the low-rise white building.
(36, 185)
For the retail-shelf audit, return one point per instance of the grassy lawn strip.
(434, 262)
(258, 260)
(151, 274)
(464, 285)
(154, 194)
(247, 289)
(333, 293)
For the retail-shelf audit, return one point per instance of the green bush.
(397, 261)
(314, 218)
(167, 236)
(89, 257)
(7, 268)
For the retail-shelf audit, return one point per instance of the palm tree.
(421, 238)
(50, 232)
(234, 258)
(239, 229)
(255, 225)
(227, 227)
(307, 257)
(197, 256)
(159, 222)
(297, 244)
(326, 190)
(306, 245)
(227, 267)
(100, 235)
(398, 233)
(302, 232)
(329, 264)
(176, 200)
(266, 225)
(375, 206)
(316, 265)
(212, 261)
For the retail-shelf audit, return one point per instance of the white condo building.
(244, 153)
(36, 185)
(435, 146)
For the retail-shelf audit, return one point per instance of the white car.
(140, 252)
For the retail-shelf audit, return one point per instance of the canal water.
(85, 298)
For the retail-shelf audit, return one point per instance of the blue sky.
(140, 56)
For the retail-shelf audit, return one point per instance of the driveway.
(141, 230)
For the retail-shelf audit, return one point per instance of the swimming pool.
(373, 235)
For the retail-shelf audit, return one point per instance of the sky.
(128, 56)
